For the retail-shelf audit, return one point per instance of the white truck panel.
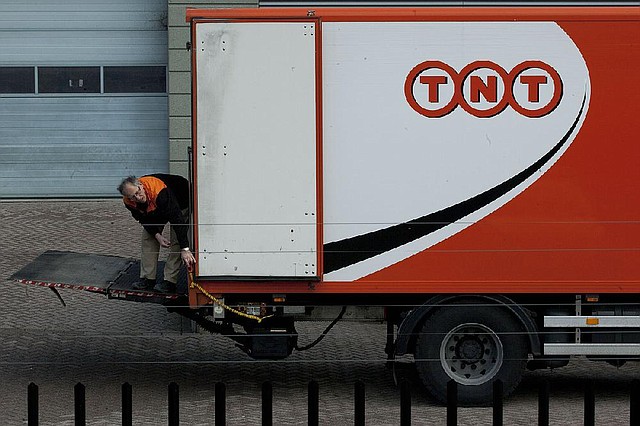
(256, 149)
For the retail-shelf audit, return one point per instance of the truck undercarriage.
(472, 339)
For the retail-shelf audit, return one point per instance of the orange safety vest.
(152, 187)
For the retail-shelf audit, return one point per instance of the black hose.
(324, 333)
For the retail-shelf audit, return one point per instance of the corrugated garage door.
(83, 98)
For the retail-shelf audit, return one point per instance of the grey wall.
(80, 144)
(180, 77)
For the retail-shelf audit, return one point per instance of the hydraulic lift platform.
(270, 338)
(112, 276)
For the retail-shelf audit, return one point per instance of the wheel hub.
(470, 349)
(471, 354)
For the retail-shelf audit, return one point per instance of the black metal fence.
(313, 404)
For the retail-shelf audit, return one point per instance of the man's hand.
(163, 241)
(187, 258)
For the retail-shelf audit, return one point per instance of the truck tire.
(474, 346)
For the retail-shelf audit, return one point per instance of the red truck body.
(435, 161)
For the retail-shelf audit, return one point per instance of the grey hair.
(129, 180)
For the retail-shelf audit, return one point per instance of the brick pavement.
(103, 343)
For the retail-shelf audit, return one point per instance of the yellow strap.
(220, 303)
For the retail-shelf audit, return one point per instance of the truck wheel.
(474, 346)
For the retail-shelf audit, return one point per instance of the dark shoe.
(165, 287)
(145, 284)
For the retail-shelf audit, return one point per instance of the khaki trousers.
(151, 250)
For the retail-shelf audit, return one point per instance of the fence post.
(452, 403)
(634, 403)
(543, 404)
(267, 404)
(32, 404)
(127, 405)
(79, 405)
(359, 404)
(589, 405)
(497, 403)
(313, 404)
(174, 404)
(389, 347)
(405, 403)
(221, 404)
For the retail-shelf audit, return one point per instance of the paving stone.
(104, 343)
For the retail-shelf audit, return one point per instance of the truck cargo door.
(255, 149)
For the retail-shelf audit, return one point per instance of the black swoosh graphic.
(340, 254)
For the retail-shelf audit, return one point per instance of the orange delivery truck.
(472, 170)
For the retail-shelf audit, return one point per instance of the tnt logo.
(483, 89)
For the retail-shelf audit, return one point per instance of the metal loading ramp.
(112, 276)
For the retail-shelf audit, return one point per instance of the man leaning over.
(155, 200)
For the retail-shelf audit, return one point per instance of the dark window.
(17, 80)
(135, 79)
(69, 79)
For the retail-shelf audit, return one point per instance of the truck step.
(612, 349)
(592, 321)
